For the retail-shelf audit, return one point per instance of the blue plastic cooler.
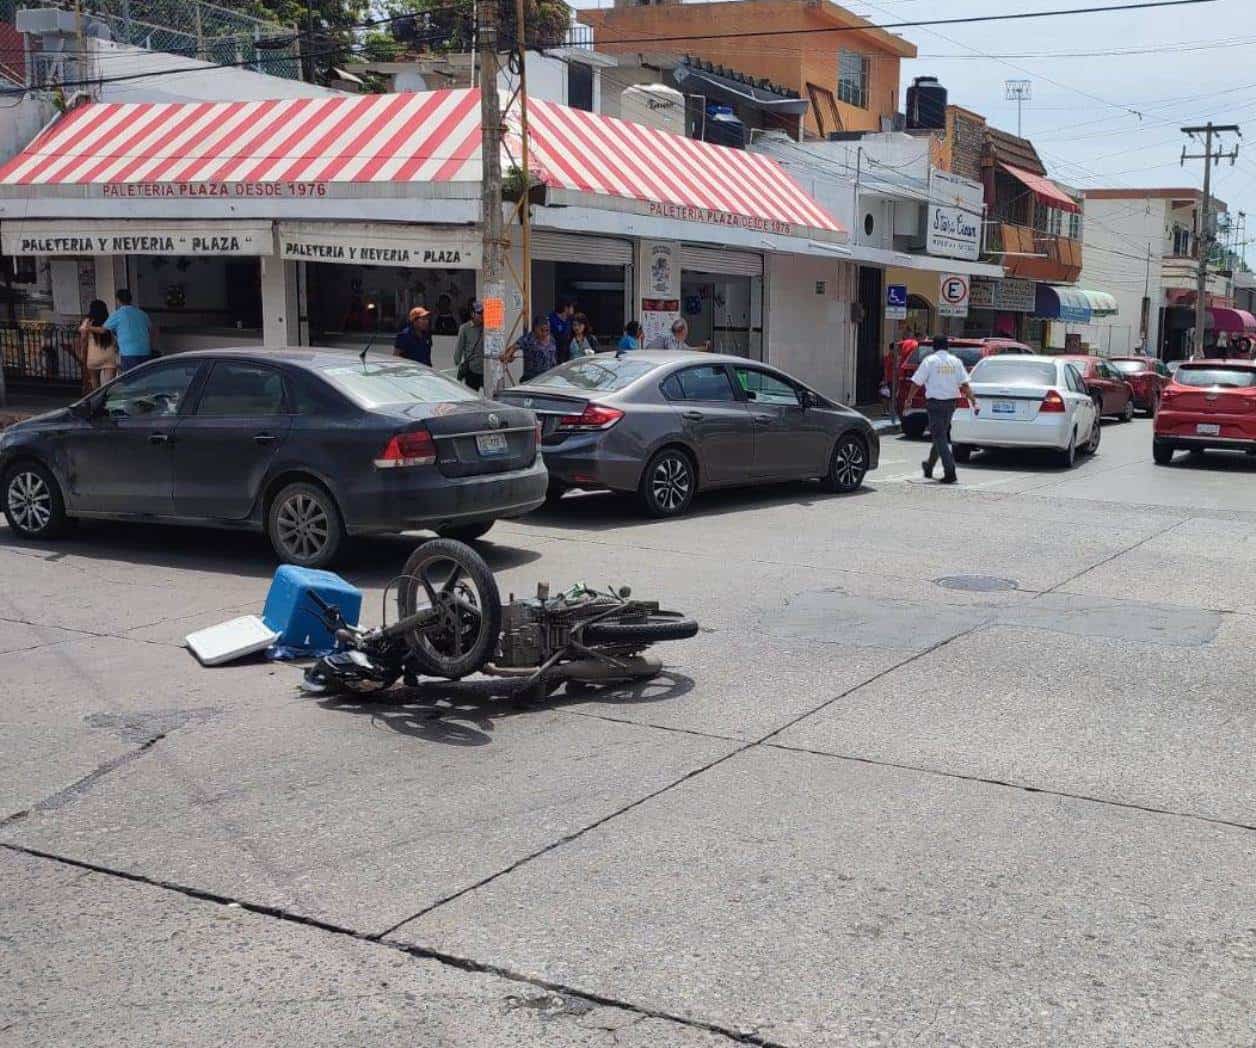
(290, 611)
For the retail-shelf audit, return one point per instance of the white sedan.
(1027, 402)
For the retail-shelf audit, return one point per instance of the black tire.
(554, 492)
(668, 483)
(1096, 434)
(468, 598)
(660, 625)
(914, 427)
(1128, 414)
(848, 465)
(962, 452)
(33, 504)
(1162, 452)
(1068, 457)
(304, 526)
(467, 532)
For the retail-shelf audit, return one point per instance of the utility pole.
(1204, 239)
(525, 205)
(493, 289)
(1020, 92)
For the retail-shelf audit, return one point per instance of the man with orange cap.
(414, 341)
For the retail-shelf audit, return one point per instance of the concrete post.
(279, 292)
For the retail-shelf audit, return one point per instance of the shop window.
(237, 390)
(210, 295)
(355, 304)
(1075, 226)
(852, 78)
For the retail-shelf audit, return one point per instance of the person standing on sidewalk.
(944, 380)
(469, 351)
(131, 329)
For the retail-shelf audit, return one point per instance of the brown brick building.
(846, 67)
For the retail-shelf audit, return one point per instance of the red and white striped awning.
(415, 139)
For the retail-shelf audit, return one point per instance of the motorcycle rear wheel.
(658, 626)
(453, 578)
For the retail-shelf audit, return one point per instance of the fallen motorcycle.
(451, 623)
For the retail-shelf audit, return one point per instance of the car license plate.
(1208, 429)
(1002, 407)
(491, 443)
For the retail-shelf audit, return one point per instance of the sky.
(1199, 64)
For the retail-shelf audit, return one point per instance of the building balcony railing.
(1033, 255)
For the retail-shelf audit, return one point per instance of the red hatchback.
(1147, 378)
(910, 402)
(1208, 404)
(1105, 384)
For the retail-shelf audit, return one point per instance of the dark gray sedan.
(307, 445)
(666, 425)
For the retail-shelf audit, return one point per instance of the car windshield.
(1233, 378)
(968, 355)
(373, 383)
(1129, 367)
(1015, 371)
(602, 374)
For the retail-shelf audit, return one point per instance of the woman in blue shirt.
(631, 338)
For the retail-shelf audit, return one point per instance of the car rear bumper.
(1045, 431)
(1238, 443)
(594, 460)
(410, 500)
(1182, 428)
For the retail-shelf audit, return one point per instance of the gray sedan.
(666, 425)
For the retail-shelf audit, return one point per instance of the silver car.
(667, 425)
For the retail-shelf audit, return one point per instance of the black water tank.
(926, 104)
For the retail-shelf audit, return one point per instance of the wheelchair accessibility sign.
(896, 302)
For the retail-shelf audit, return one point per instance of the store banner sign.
(953, 216)
(134, 238)
(1008, 296)
(353, 245)
(658, 269)
(953, 295)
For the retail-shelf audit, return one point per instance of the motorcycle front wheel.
(453, 579)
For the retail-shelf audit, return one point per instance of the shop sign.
(712, 217)
(658, 266)
(896, 302)
(953, 216)
(420, 249)
(1009, 296)
(953, 295)
(214, 190)
(138, 239)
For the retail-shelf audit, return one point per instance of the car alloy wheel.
(1096, 432)
(1128, 414)
(671, 483)
(302, 527)
(30, 502)
(849, 465)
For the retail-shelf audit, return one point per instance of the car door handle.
(766, 420)
(692, 416)
(159, 438)
(264, 438)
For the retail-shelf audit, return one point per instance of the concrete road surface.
(966, 766)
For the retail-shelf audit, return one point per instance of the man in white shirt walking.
(944, 379)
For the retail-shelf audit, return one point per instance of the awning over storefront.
(1043, 188)
(600, 161)
(1238, 321)
(1101, 303)
(1072, 304)
(291, 158)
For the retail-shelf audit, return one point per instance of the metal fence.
(40, 354)
(194, 28)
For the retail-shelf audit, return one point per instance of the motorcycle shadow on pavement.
(464, 713)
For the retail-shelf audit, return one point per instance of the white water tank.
(655, 105)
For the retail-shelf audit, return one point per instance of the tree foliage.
(449, 25)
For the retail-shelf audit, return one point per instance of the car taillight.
(594, 416)
(413, 448)
(1052, 402)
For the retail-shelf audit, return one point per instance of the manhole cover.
(976, 583)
